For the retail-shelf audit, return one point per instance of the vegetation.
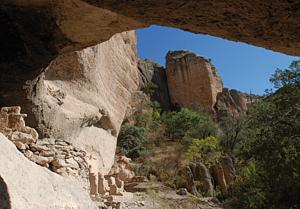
(271, 150)
(204, 150)
(132, 141)
(265, 144)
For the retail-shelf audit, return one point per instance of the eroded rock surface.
(31, 186)
(230, 103)
(153, 81)
(192, 80)
(82, 96)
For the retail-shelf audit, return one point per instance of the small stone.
(49, 153)
(28, 154)
(20, 145)
(59, 163)
(22, 137)
(40, 160)
(39, 147)
(182, 191)
(72, 163)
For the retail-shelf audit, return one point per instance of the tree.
(273, 145)
(132, 141)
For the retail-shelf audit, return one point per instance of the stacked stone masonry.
(57, 155)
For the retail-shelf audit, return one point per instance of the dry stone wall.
(57, 155)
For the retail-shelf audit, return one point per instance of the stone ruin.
(62, 158)
(110, 188)
(57, 155)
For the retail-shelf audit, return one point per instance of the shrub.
(204, 150)
(190, 123)
(132, 141)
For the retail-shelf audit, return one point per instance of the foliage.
(233, 132)
(132, 141)
(150, 88)
(148, 116)
(273, 145)
(204, 150)
(190, 123)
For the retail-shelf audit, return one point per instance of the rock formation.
(223, 173)
(153, 80)
(230, 103)
(192, 80)
(82, 96)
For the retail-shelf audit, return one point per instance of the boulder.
(25, 185)
(230, 103)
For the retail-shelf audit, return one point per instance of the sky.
(243, 67)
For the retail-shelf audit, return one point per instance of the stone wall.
(58, 156)
(192, 80)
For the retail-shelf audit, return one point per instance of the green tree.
(189, 123)
(273, 145)
(204, 150)
(132, 141)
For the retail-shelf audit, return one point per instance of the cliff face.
(153, 78)
(82, 96)
(192, 80)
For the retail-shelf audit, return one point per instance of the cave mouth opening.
(241, 66)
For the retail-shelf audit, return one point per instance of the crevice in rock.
(4, 195)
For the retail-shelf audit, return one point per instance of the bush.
(132, 141)
(188, 123)
(273, 147)
(204, 150)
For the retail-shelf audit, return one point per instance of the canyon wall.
(34, 32)
(153, 80)
(192, 80)
(82, 96)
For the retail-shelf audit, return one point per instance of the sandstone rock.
(30, 186)
(202, 175)
(228, 169)
(39, 147)
(219, 177)
(97, 84)
(230, 103)
(20, 145)
(192, 80)
(59, 163)
(43, 161)
(152, 73)
(22, 137)
(49, 153)
(72, 163)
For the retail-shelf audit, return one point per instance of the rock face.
(34, 32)
(152, 73)
(199, 179)
(82, 96)
(223, 173)
(230, 103)
(23, 184)
(192, 80)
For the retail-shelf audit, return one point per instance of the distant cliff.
(192, 80)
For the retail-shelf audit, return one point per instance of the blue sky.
(242, 66)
